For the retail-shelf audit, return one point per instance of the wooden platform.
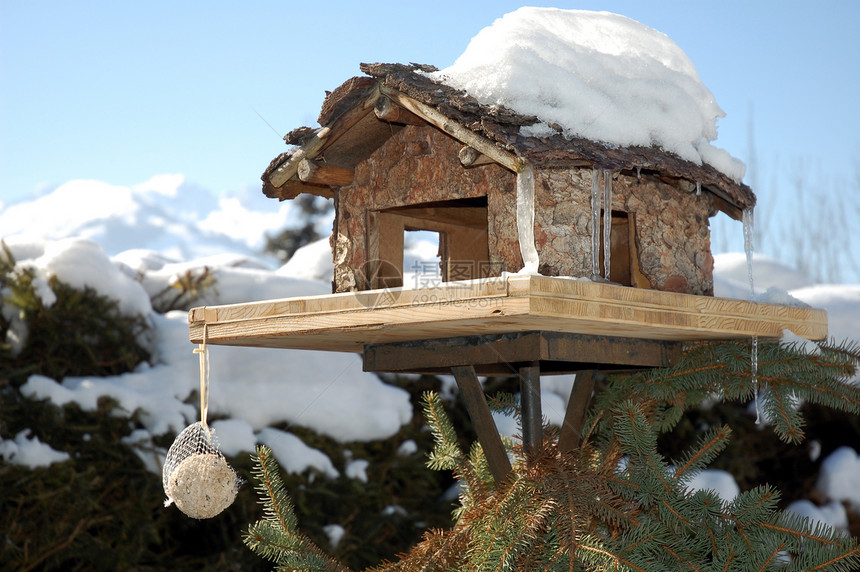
(349, 322)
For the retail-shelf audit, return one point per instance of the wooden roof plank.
(324, 137)
(455, 130)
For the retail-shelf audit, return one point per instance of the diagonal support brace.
(574, 417)
(485, 427)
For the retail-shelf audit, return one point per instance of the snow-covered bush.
(50, 327)
(94, 385)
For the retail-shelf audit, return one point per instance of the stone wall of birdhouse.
(419, 165)
(672, 239)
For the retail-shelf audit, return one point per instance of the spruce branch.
(446, 454)
(616, 503)
(754, 505)
(710, 445)
(276, 536)
(842, 562)
(277, 506)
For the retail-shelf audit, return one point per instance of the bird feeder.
(556, 254)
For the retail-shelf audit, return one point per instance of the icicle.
(638, 174)
(748, 244)
(526, 219)
(595, 223)
(749, 227)
(698, 188)
(607, 220)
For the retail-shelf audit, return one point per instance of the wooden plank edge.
(353, 339)
(670, 319)
(402, 315)
(543, 287)
(519, 287)
(460, 292)
(340, 338)
(753, 310)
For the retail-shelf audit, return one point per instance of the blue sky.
(120, 91)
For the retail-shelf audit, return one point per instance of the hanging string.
(203, 352)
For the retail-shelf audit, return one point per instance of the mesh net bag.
(195, 475)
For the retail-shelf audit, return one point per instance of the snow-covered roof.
(594, 75)
(557, 88)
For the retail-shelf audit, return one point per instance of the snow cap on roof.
(594, 75)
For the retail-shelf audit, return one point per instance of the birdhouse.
(540, 234)
(398, 152)
(559, 251)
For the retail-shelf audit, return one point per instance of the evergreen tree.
(616, 503)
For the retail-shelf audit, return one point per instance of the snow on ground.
(234, 436)
(237, 278)
(839, 479)
(732, 279)
(312, 262)
(842, 302)
(721, 482)
(293, 455)
(29, 451)
(597, 75)
(326, 392)
(832, 514)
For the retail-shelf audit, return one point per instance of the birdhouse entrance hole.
(463, 240)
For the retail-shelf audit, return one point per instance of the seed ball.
(202, 485)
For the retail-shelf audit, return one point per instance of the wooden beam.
(637, 277)
(459, 132)
(387, 110)
(471, 217)
(318, 173)
(577, 405)
(290, 190)
(471, 157)
(532, 416)
(582, 350)
(722, 203)
(482, 420)
(385, 250)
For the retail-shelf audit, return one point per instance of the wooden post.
(471, 157)
(316, 173)
(485, 427)
(387, 110)
(532, 415)
(577, 405)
